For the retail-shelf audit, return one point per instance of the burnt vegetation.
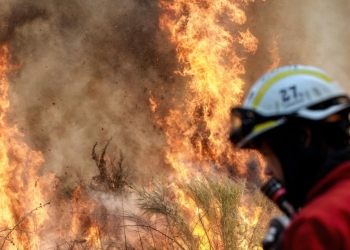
(114, 173)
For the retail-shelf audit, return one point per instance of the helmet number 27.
(291, 97)
(288, 94)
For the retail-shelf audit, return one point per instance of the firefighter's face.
(273, 166)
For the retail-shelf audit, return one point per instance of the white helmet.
(290, 91)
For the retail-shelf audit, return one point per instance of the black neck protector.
(305, 163)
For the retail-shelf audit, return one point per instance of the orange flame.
(208, 49)
(153, 103)
(197, 131)
(82, 225)
(275, 57)
(94, 237)
(21, 220)
(249, 42)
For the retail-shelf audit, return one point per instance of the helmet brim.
(317, 115)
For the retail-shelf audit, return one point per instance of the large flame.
(211, 45)
(21, 200)
(208, 51)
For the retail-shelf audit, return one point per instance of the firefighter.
(297, 117)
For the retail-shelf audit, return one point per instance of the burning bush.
(207, 213)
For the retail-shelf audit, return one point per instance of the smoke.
(88, 70)
(17, 16)
(305, 32)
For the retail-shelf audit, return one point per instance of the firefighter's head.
(295, 116)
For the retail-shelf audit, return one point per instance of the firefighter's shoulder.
(324, 222)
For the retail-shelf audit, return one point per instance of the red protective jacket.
(324, 222)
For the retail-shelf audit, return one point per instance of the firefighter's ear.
(306, 136)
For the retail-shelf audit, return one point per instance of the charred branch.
(114, 173)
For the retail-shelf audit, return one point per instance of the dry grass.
(215, 214)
